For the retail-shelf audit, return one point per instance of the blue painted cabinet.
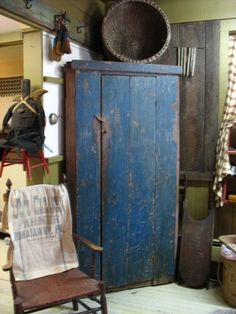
(122, 147)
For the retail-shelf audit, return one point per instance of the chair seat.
(14, 155)
(62, 287)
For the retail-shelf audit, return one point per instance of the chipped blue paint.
(127, 164)
(88, 161)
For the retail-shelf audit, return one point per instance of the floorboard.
(164, 299)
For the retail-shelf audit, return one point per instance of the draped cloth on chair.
(40, 226)
(223, 167)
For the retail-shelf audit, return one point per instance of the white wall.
(53, 101)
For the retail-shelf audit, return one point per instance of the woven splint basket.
(135, 31)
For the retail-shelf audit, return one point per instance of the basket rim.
(157, 55)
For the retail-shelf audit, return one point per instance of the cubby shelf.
(229, 185)
(229, 190)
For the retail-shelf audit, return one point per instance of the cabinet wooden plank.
(142, 178)
(88, 159)
(115, 178)
(167, 140)
(70, 136)
(125, 68)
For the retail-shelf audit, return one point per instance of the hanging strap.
(24, 101)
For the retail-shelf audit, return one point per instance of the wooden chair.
(13, 156)
(73, 285)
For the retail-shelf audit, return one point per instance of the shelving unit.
(229, 190)
(229, 187)
(231, 141)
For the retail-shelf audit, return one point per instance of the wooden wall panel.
(225, 222)
(192, 100)
(211, 92)
(170, 56)
(198, 94)
(199, 106)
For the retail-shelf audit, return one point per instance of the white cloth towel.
(40, 226)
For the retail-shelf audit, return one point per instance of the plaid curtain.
(223, 167)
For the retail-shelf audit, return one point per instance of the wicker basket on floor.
(135, 31)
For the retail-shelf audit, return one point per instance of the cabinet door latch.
(100, 119)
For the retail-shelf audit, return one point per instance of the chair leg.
(45, 163)
(3, 160)
(18, 309)
(75, 305)
(26, 164)
(103, 298)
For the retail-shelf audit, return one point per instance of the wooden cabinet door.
(128, 178)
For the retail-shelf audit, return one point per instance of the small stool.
(12, 156)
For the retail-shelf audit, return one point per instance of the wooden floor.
(165, 299)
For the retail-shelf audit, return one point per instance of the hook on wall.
(60, 20)
(28, 4)
(79, 28)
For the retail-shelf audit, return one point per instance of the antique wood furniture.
(122, 143)
(229, 187)
(13, 156)
(54, 289)
(195, 245)
(199, 94)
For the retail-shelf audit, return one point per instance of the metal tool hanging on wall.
(187, 59)
(28, 4)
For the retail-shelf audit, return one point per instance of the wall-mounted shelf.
(231, 143)
(229, 185)
(229, 190)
